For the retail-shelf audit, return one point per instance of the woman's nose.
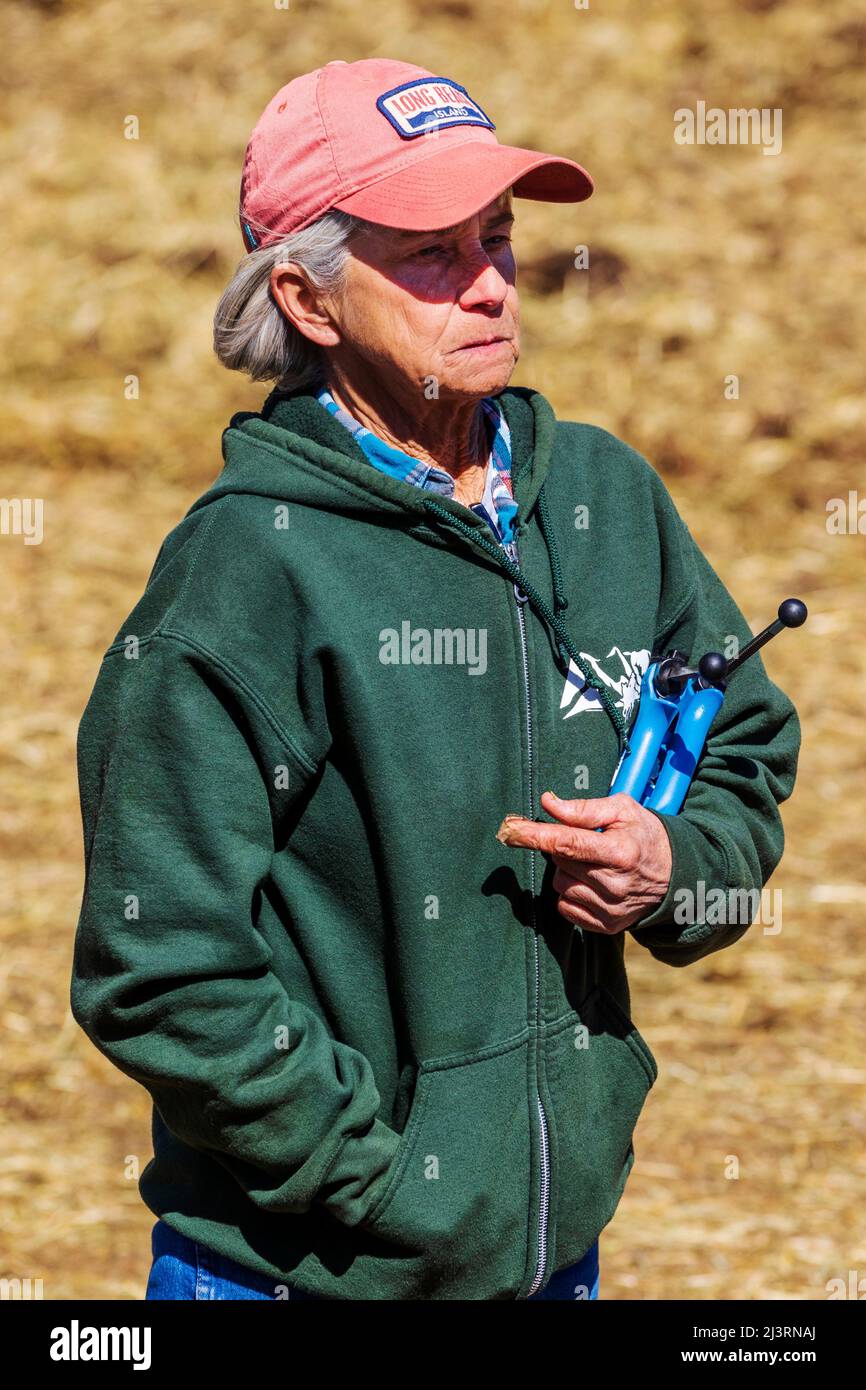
(483, 282)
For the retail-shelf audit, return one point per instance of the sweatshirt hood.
(295, 451)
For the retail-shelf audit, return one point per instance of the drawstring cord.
(565, 645)
(560, 602)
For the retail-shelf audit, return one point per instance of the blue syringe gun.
(677, 706)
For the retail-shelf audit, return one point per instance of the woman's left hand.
(605, 882)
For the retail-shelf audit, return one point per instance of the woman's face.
(415, 302)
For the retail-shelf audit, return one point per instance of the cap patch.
(430, 103)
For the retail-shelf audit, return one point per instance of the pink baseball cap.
(390, 142)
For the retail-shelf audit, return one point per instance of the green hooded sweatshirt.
(382, 1065)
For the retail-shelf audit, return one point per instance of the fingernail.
(503, 834)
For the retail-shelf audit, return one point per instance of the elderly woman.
(390, 1053)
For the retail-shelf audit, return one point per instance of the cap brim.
(453, 183)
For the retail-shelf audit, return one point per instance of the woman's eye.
(429, 253)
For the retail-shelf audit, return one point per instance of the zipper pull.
(519, 594)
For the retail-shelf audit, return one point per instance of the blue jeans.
(182, 1268)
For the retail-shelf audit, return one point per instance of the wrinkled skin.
(606, 883)
(397, 337)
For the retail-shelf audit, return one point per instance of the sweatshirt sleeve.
(187, 781)
(728, 833)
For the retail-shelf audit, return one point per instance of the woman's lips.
(484, 347)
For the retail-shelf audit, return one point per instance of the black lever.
(792, 613)
(714, 668)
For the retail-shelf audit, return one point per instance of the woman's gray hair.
(251, 333)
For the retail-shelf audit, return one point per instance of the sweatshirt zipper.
(545, 1153)
(523, 598)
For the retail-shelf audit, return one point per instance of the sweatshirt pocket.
(599, 1071)
(456, 1212)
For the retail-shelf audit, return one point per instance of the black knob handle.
(792, 613)
(713, 667)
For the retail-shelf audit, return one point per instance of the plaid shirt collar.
(497, 505)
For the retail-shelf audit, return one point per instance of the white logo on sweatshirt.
(628, 668)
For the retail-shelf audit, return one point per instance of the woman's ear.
(303, 305)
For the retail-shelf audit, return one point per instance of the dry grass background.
(707, 261)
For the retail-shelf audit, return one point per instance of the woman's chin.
(479, 378)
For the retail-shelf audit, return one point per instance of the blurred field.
(707, 261)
